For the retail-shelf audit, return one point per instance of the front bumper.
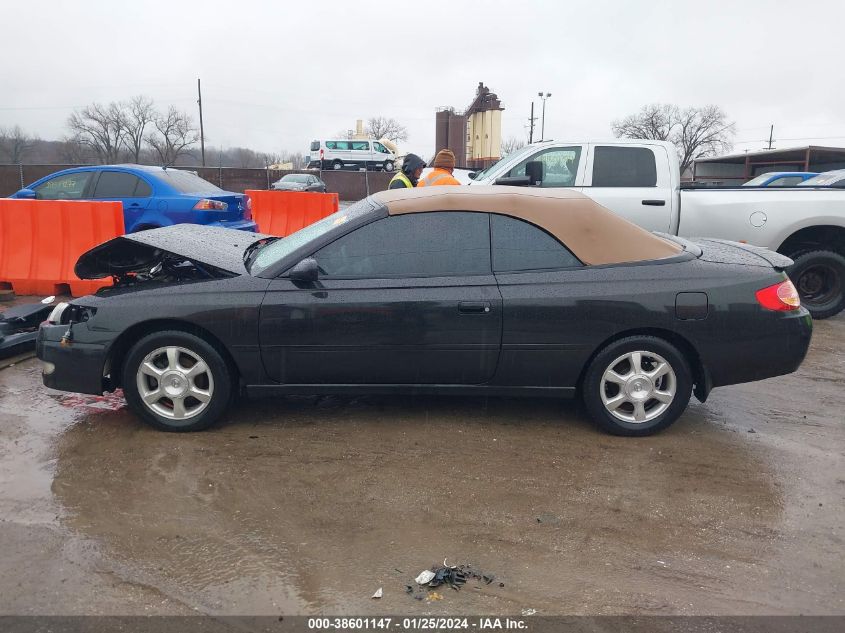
(76, 367)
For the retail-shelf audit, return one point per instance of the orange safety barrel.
(40, 241)
(284, 212)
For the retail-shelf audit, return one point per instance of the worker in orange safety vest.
(444, 165)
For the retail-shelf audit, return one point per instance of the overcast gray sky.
(278, 74)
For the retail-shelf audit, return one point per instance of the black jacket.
(411, 163)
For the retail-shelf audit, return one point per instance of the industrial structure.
(475, 135)
(735, 169)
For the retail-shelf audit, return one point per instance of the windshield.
(272, 252)
(186, 182)
(759, 180)
(295, 178)
(825, 180)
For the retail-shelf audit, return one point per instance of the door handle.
(654, 203)
(473, 307)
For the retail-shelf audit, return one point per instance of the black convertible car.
(494, 291)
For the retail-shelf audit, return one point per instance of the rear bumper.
(773, 348)
(78, 367)
(238, 225)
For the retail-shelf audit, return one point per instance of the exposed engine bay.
(162, 267)
(177, 254)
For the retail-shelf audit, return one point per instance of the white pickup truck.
(640, 181)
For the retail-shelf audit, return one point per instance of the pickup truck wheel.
(176, 381)
(637, 386)
(819, 277)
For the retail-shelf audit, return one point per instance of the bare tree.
(511, 145)
(100, 128)
(72, 152)
(695, 132)
(173, 136)
(139, 112)
(391, 129)
(15, 143)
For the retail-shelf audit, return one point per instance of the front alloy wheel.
(176, 381)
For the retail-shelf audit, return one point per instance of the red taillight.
(210, 205)
(781, 296)
(321, 154)
(248, 209)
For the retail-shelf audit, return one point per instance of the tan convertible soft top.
(593, 233)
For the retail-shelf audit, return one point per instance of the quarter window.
(437, 244)
(624, 167)
(67, 187)
(560, 166)
(114, 184)
(520, 246)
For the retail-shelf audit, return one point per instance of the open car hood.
(209, 246)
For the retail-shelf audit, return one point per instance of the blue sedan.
(152, 197)
(780, 179)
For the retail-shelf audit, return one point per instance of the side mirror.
(25, 193)
(514, 181)
(534, 171)
(305, 271)
(471, 175)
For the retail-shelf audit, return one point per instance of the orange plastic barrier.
(40, 241)
(284, 212)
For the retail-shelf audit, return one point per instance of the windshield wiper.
(253, 249)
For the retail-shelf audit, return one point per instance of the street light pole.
(543, 118)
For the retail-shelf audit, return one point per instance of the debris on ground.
(378, 593)
(433, 596)
(454, 576)
(529, 611)
(109, 402)
(425, 577)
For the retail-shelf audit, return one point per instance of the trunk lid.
(214, 247)
(727, 252)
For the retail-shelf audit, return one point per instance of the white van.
(337, 154)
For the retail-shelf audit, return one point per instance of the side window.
(624, 167)
(67, 187)
(331, 145)
(560, 166)
(786, 181)
(142, 190)
(114, 184)
(380, 148)
(520, 246)
(437, 244)
(361, 145)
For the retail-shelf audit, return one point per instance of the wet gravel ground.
(308, 505)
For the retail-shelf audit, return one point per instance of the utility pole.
(543, 118)
(771, 132)
(531, 120)
(202, 132)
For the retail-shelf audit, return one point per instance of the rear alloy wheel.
(388, 165)
(819, 277)
(637, 386)
(337, 165)
(176, 381)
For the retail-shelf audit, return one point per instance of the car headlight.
(55, 317)
(69, 313)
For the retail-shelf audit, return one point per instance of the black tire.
(594, 387)
(336, 165)
(388, 166)
(819, 277)
(217, 381)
